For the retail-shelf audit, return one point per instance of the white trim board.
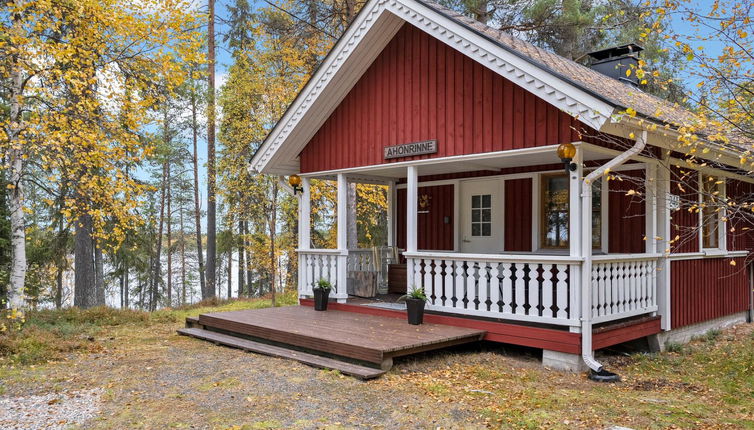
(362, 42)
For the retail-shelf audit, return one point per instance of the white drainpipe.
(586, 248)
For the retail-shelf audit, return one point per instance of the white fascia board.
(320, 96)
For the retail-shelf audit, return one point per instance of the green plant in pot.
(321, 294)
(415, 301)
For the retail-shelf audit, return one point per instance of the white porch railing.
(371, 260)
(316, 264)
(623, 286)
(515, 287)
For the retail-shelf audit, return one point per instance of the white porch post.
(341, 292)
(650, 192)
(412, 202)
(304, 232)
(575, 235)
(391, 214)
(663, 243)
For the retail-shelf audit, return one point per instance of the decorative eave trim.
(274, 157)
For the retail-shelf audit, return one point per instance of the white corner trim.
(537, 80)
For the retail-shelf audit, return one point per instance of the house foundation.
(659, 342)
(563, 361)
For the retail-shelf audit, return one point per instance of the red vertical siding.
(706, 289)
(684, 222)
(420, 89)
(626, 214)
(432, 231)
(518, 214)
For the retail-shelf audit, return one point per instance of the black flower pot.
(321, 296)
(415, 308)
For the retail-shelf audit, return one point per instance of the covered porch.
(498, 236)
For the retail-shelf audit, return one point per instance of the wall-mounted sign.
(411, 149)
(674, 201)
(424, 201)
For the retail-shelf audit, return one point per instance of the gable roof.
(572, 87)
(619, 94)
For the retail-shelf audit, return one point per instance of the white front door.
(481, 216)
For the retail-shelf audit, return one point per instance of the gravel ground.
(49, 411)
(155, 379)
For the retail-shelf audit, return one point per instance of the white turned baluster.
(417, 275)
(520, 289)
(629, 286)
(468, 285)
(460, 290)
(449, 283)
(620, 288)
(428, 287)
(333, 276)
(507, 288)
(561, 289)
(547, 290)
(533, 290)
(609, 288)
(643, 265)
(494, 287)
(599, 302)
(437, 285)
(652, 283)
(482, 286)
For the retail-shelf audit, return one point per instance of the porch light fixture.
(295, 182)
(566, 152)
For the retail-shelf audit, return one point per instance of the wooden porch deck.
(360, 342)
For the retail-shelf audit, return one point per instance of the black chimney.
(615, 61)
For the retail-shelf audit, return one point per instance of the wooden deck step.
(365, 338)
(361, 372)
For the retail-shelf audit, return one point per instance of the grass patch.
(49, 335)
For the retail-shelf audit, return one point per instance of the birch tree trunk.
(16, 294)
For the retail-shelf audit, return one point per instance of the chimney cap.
(615, 51)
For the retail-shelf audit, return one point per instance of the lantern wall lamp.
(295, 183)
(566, 152)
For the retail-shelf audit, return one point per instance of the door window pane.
(481, 215)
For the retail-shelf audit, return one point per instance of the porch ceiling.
(489, 161)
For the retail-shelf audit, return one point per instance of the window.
(555, 202)
(481, 215)
(597, 214)
(555, 205)
(710, 190)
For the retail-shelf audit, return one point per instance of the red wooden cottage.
(462, 123)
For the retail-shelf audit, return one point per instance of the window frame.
(542, 222)
(540, 211)
(720, 228)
